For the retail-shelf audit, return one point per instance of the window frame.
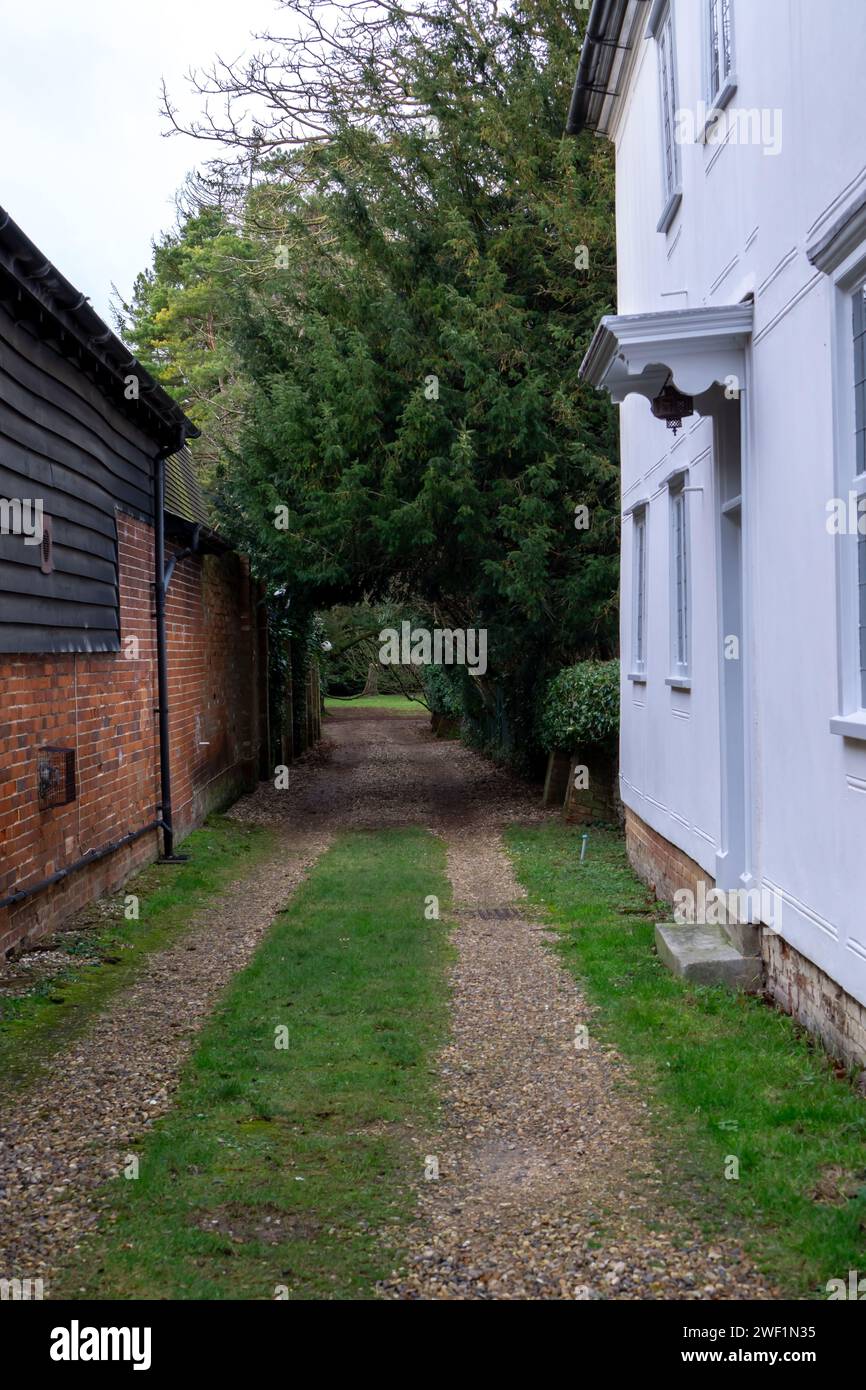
(679, 580)
(661, 28)
(717, 94)
(849, 282)
(639, 610)
(857, 483)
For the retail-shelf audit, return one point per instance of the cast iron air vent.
(56, 776)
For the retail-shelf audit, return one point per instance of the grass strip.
(389, 704)
(286, 1167)
(103, 949)
(730, 1075)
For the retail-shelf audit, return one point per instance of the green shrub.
(581, 706)
(442, 690)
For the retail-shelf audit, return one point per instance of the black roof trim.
(47, 291)
(597, 58)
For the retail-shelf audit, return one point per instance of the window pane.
(667, 85)
(860, 379)
(639, 592)
(715, 48)
(727, 47)
(861, 568)
(681, 654)
(720, 56)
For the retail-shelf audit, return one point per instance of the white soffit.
(698, 347)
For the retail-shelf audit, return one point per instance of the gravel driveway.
(548, 1186)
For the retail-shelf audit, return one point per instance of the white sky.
(84, 168)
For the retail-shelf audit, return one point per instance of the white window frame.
(639, 593)
(680, 587)
(849, 283)
(661, 28)
(720, 83)
(858, 481)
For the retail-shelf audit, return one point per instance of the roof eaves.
(48, 291)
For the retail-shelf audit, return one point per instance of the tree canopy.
(377, 311)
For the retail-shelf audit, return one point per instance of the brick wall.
(794, 982)
(213, 661)
(103, 707)
(809, 995)
(659, 863)
(598, 802)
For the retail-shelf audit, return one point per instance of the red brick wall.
(213, 684)
(659, 863)
(103, 706)
(597, 803)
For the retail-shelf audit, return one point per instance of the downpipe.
(161, 580)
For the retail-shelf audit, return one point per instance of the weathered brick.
(103, 705)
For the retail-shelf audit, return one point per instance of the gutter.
(598, 54)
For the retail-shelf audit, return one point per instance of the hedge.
(580, 706)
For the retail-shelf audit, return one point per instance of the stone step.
(745, 937)
(704, 956)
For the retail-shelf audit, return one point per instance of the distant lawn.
(394, 704)
(728, 1074)
(103, 950)
(293, 1168)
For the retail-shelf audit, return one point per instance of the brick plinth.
(813, 999)
(598, 802)
(659, 863)
(797, 985)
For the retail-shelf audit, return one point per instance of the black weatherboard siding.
(63, 443)
(71, 439)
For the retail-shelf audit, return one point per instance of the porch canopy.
(696, 348)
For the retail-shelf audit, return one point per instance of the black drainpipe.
(92, 857)
(160, 583)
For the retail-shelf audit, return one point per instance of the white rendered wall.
(742, 228)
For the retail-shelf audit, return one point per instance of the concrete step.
(704, 956)
(745, 937)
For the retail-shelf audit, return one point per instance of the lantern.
(671, 405)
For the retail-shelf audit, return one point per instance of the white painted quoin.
(740, 145)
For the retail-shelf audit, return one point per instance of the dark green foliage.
(409, 333)
(581, 706)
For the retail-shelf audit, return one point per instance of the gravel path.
(548, 1183)
(72, 1129)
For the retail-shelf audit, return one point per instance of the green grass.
(730, 1075)
(394, 704)
(317, 1137)
(105, 949)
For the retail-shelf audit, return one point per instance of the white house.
(740, 142)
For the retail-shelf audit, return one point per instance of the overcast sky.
(84, 168)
